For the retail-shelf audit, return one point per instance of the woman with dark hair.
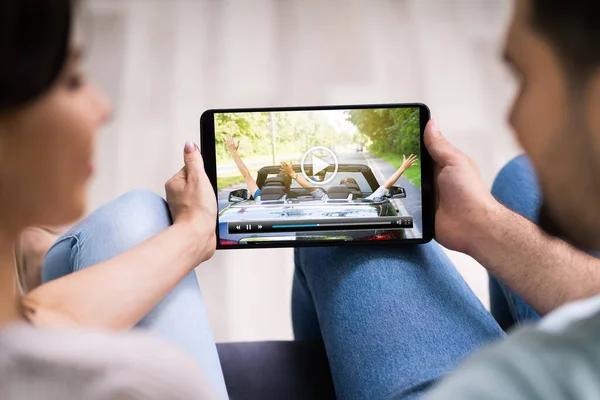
(49, 115)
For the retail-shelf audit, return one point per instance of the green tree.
(390, 130)
(251, 129)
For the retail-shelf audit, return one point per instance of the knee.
(516, 187)
(123, 223)
(141, 201)
(138, 214)
(110, 230)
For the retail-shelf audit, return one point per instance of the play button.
(318, 165)
(323, 166)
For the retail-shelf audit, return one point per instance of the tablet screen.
(313, 176)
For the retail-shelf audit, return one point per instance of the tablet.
(319, 176)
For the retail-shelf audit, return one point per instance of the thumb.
(440, 149)
(192, 160)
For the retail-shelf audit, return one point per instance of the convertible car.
(297, 205)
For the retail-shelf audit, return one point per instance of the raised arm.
(248, 178)
(406, 164)
(288, 169)
(544, 271)
(117, 293)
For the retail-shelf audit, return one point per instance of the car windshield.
(357, 176)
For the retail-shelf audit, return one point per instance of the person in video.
(284, 176)
(382, 191)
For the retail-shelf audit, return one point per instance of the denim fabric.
(395, 319)
(180, 317)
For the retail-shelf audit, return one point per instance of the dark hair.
(573, 28)
(347, 181)
(34, 45)
(287, 180)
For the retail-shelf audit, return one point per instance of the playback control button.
(245, 227)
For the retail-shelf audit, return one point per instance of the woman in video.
(128, 264)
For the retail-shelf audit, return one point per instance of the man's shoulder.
(535, 362)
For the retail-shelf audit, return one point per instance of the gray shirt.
(65, 365)
(557, 359)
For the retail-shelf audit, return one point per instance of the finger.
(177, 177)
(440, 149)
(193, 161)
(181, 174)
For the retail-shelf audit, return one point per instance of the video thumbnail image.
(335, 175)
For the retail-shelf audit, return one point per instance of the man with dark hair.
(394, 321)
(554, 47)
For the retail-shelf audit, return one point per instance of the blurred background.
(163, 63)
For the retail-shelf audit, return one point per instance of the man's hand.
(287, 168)
(408, 162)
(464, 202)
(192, 201)
(231, 144)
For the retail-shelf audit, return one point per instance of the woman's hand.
(408, 162)
(231, 145)
(192, 201)
(287, 168)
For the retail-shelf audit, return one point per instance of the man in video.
(379, 193)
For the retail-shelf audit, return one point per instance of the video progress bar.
(321, 225)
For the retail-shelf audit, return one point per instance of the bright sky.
(337, 118)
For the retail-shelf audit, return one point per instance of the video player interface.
(326, 175)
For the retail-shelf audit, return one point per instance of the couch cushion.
(276, 370)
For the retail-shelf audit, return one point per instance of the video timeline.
(314, 176)
(322, 225)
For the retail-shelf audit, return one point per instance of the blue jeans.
(393, 319)
(118, 226)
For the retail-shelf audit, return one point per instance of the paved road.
(382, 170)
